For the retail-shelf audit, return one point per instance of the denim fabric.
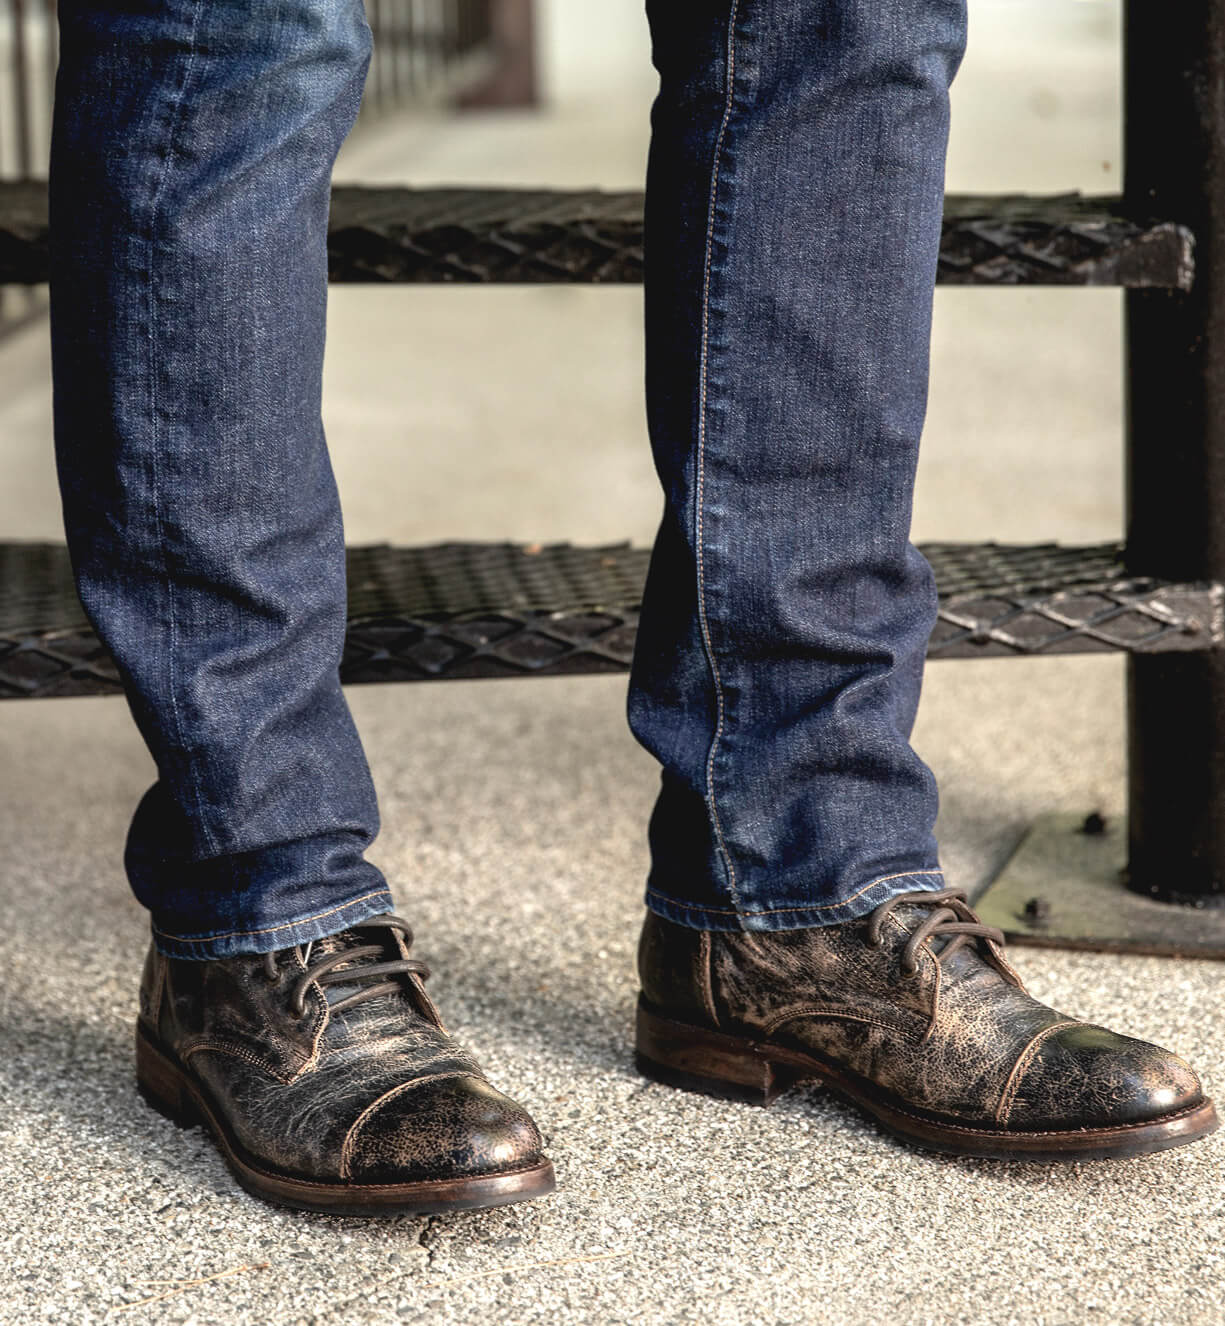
(793, 220)
(192, 152)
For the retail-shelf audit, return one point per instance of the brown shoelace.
(953, 917)
(324, 971)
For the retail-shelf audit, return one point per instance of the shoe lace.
(354, 966)
(953, 918)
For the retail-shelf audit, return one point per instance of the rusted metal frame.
(509, 26)
(425, 51)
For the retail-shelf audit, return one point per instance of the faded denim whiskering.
(794, 206)
(191, 160)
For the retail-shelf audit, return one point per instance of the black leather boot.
(328, 1081)
(915, 1014)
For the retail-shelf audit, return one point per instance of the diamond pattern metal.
(466, 236)
(461, 610)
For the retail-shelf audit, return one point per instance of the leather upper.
(961, 1039)
(377, 1093)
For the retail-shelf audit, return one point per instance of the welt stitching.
(809, 907)
(1013, 1085)
(346, 1149)
(699, 524)
(268, 930)
(155, 204)
(304, 1185)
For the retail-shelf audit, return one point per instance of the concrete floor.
(514, 818)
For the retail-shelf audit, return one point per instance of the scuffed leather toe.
(1082, 1076)
(449, 1128)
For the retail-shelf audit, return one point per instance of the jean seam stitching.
(807, 907)
(699, 491)
(151, 304)
(271, 929)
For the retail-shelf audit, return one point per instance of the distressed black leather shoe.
(328, 1081)
(915, 1014)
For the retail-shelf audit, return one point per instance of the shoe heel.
(693, 1059)
(161, 1083)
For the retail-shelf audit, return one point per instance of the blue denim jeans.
(794, 204)
(191, 161)
(793, 219)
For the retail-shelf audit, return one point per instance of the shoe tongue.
(335, 991)
(343, 943)
(968, 962)
(910, 916)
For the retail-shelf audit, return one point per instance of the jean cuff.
(859, 904)
(268, 939)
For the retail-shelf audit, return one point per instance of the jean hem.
(806, 916)
(270, 938)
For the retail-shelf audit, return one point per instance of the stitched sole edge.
(695, 1059)
(170, 1090)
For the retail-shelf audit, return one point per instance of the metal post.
(21, 91)
(1175, 169)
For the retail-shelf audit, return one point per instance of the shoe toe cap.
(1083, 1076)
(458, 1127)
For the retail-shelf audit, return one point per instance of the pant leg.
(192, 151)
(793, 219)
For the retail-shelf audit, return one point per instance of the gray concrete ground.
(514, 817)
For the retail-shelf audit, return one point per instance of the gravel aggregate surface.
(514, 817)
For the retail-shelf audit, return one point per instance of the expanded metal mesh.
(467, 236)
(463, 235)
(497, 609)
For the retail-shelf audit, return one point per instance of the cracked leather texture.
(376, 1093)
(960, 1039)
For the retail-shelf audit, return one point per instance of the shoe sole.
(167, 1087)
(757, 1073)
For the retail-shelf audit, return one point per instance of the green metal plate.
(1063, 888)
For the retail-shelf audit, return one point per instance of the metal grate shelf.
(475, 236)
(460, 610)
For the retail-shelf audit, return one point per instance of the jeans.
(191, 160)
(793, 219)
(794, 204)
